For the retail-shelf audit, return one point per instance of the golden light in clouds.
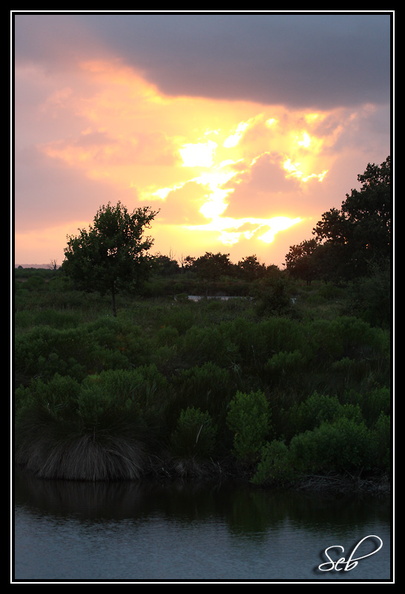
(188, 156)
(200, 154)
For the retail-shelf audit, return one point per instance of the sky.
(241, 129)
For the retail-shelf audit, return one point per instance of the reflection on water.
(189, 531)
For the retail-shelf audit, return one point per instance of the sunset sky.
(242, 128)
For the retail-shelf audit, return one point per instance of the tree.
(300, 261)
(53, 265)
(165, 265)
(349, 242)
(212, 266)
(250, 268)
(361, 230)
(112, 253)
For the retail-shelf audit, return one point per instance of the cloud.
(182, 205)
(259, 190)
(298, 60)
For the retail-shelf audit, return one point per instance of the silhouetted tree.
(113, 253)
(250, 268)
(165, 265)
(212, 266)
(361, 231)
(349, 242)
(300, 262)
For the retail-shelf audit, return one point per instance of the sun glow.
(234, 139)
(200, 154)
(235, 171)
(232, 230)
(298, 170)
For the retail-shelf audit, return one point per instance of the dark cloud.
(299, 60)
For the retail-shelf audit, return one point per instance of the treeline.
(210, 274)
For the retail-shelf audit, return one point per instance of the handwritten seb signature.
(343, 564)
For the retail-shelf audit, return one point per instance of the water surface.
(74, 531)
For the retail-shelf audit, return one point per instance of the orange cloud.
(223, 173)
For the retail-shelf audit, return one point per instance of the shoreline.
(211, 472)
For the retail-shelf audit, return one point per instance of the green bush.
(194, 435)
(283, 334)
(283, 365)
(383, 440)
(346, 337)
(246, 341)
(376, 402)
(56, 319)
(370, 297)
(319, 408)
(341, 446)
(144, 389)
(273, 297)
(181, 318)
(103, 404)
(206, 386)
(249, 419)
(167, 336)
(58, 396)
(274, 465)
(201, 345)
(87, 349)
(44, 351)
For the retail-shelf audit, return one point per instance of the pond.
(181, 531)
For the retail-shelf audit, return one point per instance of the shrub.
(56, 319)
(249, 419)
(97, 430)
(346, 337)
(247, 340)
(45, 351)
(274, 465)
(90, 348)
(382, 440)
(283, 334)
(142, 390)
(58, 396)
(341, 446)
(273, 297)
(200, 345)
(206, 386)
(285, 364)
(194, 434)
(167, 336)
(370, 297)
(376, 402)
(319, 408)
(181, 318)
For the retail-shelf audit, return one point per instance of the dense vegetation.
(280, 383)
(288, 377)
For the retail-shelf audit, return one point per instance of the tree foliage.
(112, 253)
(350, 241)
(212, 266)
